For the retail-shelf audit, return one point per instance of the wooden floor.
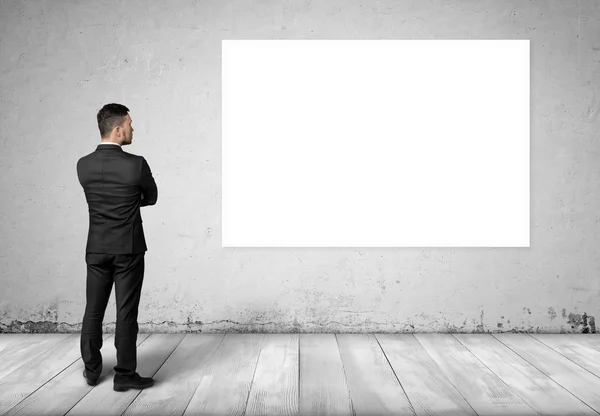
(310, 374)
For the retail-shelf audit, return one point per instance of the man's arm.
(149, 188)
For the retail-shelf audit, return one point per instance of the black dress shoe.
(90, 382)
(134, 381)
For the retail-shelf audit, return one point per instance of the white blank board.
(375, 143)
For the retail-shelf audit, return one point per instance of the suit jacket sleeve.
(149, 188)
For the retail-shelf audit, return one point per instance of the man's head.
(115, 124)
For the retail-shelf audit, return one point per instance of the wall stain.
(582, 323)
(193, 327)
(275, 321)
(480, 327)
(40, 327)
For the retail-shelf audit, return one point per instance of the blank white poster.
(375, 143)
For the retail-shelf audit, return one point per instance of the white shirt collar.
(110, 143)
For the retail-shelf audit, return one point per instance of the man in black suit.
(116, 185)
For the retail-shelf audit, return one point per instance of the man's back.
(114, 183)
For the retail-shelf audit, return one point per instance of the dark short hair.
(109, 117)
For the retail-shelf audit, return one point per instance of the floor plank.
(482, 389)
(323, 388)
(542, 393)
(429, 390)
(26, 379)
(63, 391)
(275, 385)
(6, 340)
(589, 340)
(580, 353)
(569, 375)
(177, 379)
(374, 388)
(151, 355)
(27, 350)
(226, 382)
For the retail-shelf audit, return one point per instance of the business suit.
(116, 184)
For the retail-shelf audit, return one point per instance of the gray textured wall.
(61, 61)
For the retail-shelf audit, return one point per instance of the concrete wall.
(61, 61)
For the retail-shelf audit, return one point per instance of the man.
(116, 185)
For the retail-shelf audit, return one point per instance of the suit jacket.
(116, 184)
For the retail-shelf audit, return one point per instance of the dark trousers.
(127, 272)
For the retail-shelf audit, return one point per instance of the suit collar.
(113, 147)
